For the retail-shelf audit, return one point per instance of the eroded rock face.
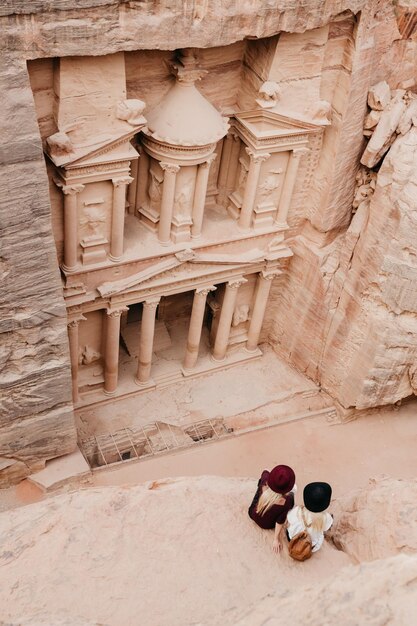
(329, 318)
(174, 552)
(377, 522)
(184, 551)
(380, 593)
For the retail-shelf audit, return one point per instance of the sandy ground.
(346, 455)
(182, 551)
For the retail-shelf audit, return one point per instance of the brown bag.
(300, 547)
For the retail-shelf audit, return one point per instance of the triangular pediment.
(105, 148)
(185, 262)
(263, 123)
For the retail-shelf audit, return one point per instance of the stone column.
(147, 331)
(111, 354)
(196, 325)
(288, 186)
(167, 202)
(131, 194)
(225, 320)
(200, 196)
(118, 217)
(74, 349)
(251, 187)
(263, 288)
(224, 166)
(70, 226)
(142, 184)
(233, 163)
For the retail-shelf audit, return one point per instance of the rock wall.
(322, 319)
(347, 313)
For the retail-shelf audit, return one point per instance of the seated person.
(312, 517)
(273, 499)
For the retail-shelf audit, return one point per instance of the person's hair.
(267, 499)
(315, 521)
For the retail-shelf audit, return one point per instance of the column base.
(251, 350)
(244, 229)
(115, 259)
(196, 236)
(73, 268)
(281, 224)
(165, 243)
(109, 393)
(149, 383)
(213, 358)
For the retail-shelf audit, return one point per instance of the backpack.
(300, 547)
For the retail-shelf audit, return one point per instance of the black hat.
(317, 496)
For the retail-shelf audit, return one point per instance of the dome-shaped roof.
(184, 117)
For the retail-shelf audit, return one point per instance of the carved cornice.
(97, 169)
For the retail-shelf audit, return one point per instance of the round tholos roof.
(184, 117)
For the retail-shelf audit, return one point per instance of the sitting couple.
(273, 508)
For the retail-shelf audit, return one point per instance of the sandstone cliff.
(185, 552)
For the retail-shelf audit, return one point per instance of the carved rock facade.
(144, 205)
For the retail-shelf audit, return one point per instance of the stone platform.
(251, 395)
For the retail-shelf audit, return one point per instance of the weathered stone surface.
(368, 528)
(36, 415)
(345, 311)
(93, 540)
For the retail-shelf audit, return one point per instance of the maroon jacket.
(277, 514)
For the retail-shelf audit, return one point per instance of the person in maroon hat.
(273, 499)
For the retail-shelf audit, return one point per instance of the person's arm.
(277, 544)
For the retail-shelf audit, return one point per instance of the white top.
(296, 525)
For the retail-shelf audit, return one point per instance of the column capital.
(123, 180)
(70, 190)
(235, 283)
(151, 303)
(271, 274)
(299, 152)
(74, 321)
(204, 291)
(208, 161)
(235, 136)
(170, 167)
(255, 157)
(116, 311)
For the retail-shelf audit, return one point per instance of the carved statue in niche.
(271, 183)
(155, 191)
(243, 174)
(365, 187)
(183, 199)
(88, 355)
(269, 94)
(93, 221)
(131, 111)
(240, 314)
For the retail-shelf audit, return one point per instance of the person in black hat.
(312, 517)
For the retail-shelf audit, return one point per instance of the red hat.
(281, 479)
